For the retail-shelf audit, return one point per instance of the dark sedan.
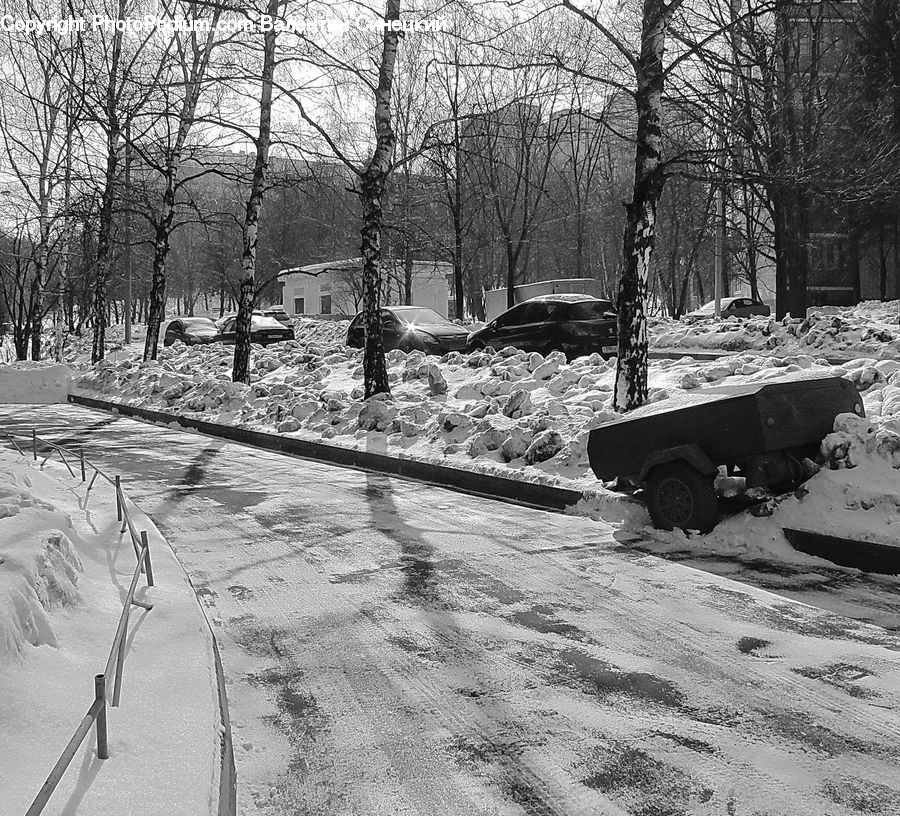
(412, 328)
(192, 331)
(734, 307)
(263, 330)
(572, 323)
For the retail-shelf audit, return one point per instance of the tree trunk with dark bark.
(196, 73)
(640, 220)
(372, 184)
(104, 236)
(241, 368)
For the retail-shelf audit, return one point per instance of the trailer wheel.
(678, 496)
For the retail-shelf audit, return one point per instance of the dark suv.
(573, 324)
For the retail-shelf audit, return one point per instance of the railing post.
(118, 499)
(120, 660)
(83, 474)
(146, 545)
(100, 696)
(34, 444)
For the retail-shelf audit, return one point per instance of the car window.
(538, 312)
(388, 319)
(229, 324)
(590, 310)
(514, 317)
(420, 315)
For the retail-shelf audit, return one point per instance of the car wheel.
(478, 345)
(679, 497)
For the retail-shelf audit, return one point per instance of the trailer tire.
(678, 496)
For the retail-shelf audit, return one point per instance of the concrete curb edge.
(497, 487)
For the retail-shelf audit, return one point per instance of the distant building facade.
(334, 288)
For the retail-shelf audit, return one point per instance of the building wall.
(342, 287)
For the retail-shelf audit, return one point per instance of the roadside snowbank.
(34, 383)
(870, 329)
(64, 568)
(508, 413)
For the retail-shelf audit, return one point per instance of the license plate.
(609, 349)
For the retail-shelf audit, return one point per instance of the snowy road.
(392, 648)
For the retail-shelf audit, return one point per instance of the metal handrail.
(116, 661)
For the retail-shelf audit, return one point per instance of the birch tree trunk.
(163, 231)
(40, 271)
(640, 220)
(372, 185)
(240, 371)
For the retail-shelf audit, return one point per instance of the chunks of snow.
(544, 446)
(517, 404)
(376, 414)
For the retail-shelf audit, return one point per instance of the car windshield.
(195, 323)
(591, 310)
(420, 316)
(710, 308)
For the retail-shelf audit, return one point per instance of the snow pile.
(39, 568)
(870, 329)
(31, 382)
(63, 571)
(308, 330)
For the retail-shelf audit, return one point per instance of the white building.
(335, 287)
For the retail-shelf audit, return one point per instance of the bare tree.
(241, 368)
(181, 92)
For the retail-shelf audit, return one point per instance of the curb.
(530, 494)
(868, 556)
(227, 773)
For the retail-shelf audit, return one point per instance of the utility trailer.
(762, 431)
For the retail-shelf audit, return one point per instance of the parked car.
(278, 313)
(412, 328)
(734, 306)
(192, 331)
(221, 321)
(263, 330)
(575, 324)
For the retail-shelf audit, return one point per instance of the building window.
(299, 306)
(326, 304)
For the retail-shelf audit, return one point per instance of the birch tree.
(192, 53)
(241, 367)
(372, 172)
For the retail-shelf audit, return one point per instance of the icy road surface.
(392, 648)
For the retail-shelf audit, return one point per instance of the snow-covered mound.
(30, 382)
(870, 329)
(39, 567)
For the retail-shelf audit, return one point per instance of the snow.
(33, 383)
(64, 568)
(869, 329)
(526, 417)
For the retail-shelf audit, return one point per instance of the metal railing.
(96, 713)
